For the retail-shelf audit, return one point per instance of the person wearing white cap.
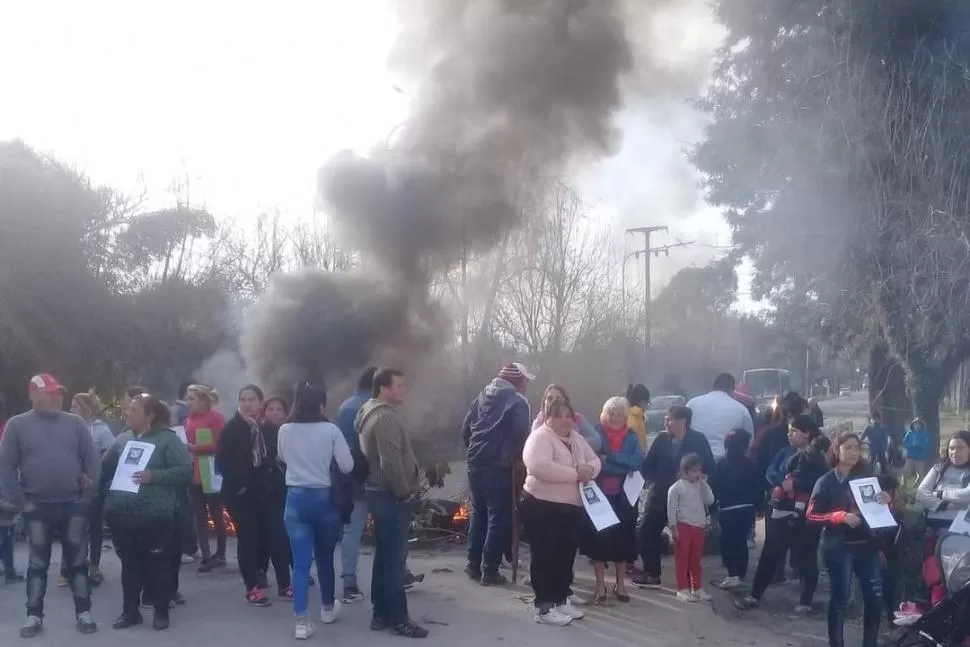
(48, 468)
(494, 432)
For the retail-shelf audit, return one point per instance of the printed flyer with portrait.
(866, 493)
(134, 458)
(597, 506)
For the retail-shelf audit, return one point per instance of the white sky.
(248, 100)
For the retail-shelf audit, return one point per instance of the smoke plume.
(504, 92)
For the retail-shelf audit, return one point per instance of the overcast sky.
(248, 101)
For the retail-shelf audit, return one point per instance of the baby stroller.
(947, 622)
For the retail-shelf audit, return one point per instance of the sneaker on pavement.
(686, 596)
(553, 617)
(14, 578)
(493, 579)
(647, 582)
(411, 579)
(569, 610)
(62, 581)
(352, 594)
(745, 603)
(304, 628)
(473, 572)
(803, 609)
(701, 595)
(85, 623)
(188, 559)
(286, 593)
(329, 616)
(730, 582)
(257, 597)
(376, 624)
(410, 630)
(32, 627)
(577, 601)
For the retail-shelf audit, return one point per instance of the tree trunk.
(887, 390)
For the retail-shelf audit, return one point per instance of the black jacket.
(234, 460)
(737, 481)
(806, 467)
(772, 441)
(662, 463)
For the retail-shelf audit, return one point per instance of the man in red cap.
(494, 431)
(48, 468)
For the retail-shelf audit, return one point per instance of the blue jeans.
(735, 525)
(6, 550)
(392, 520)
(490, 521)
(69, 521)
(313, 524)
(842, 561)
(350, 543)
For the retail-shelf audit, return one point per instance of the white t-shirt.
(307, 448)
(715, 414)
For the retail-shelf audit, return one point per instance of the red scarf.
(614, 436)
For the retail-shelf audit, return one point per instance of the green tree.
(838, 147)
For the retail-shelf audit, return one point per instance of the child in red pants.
(687, 503)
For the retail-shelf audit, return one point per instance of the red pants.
(688, 551)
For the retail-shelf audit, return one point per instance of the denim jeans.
(313, 523)
(735, 525)
(69, 521)
(490, 521)
(842, 561)
(350, 543)
(392, 521)
(6, 550)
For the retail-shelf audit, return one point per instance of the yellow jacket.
(636, 422)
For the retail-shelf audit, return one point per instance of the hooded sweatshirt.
(496, 426)
(393, 466)
(917, 443)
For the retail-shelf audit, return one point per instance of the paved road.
(456, 610)
(854, 407)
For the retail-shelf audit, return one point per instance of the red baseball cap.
(45, 383)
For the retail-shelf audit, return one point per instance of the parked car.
(844, 392)
(658, 410)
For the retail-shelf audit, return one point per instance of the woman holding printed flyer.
(849, 547)
(621, 455)
(148, 469)
(557, 460)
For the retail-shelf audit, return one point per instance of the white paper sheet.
(134, 458)
(216, 476)
(866, 494)
(597, 506)
(633, 486)
(180, 432)
(960, 525)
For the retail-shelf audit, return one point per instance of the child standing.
(687, 503)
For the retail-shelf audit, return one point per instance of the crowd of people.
(294, 484)
(297, 486)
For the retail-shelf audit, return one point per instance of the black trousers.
(554, 530)
(802, 539)
(144, 546)
(259, 529)
(204, 506)
(650, 537)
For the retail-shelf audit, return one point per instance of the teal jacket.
(170, 467)
(616, 465)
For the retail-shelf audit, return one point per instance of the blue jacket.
(778, 469)
(917, 443)
(347, 416)
(628, 459)
(496, 426)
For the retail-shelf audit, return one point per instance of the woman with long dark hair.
(252, 484)
(849, 548)
(141, 522)
(310, 445)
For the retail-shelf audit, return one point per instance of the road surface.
(455, 610)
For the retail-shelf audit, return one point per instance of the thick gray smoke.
(504, 91)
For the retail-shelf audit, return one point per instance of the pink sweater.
(551, 462)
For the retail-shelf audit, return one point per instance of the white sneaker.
(188, 559)
(329, 617)
(577, 601)
(304, 628)
(569, 610)
(730, 582)
(701, 595)
(686, 596)
(553, 617)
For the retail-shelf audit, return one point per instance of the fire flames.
(461, 514)
(227, 521)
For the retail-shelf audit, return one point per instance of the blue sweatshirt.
(917, 443)
(347, 416)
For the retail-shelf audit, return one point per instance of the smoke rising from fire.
(504, 92)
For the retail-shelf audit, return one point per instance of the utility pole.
(646, 231)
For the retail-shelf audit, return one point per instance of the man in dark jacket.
(660, 469)
(494, 433)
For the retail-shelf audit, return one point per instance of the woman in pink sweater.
(557, 459)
